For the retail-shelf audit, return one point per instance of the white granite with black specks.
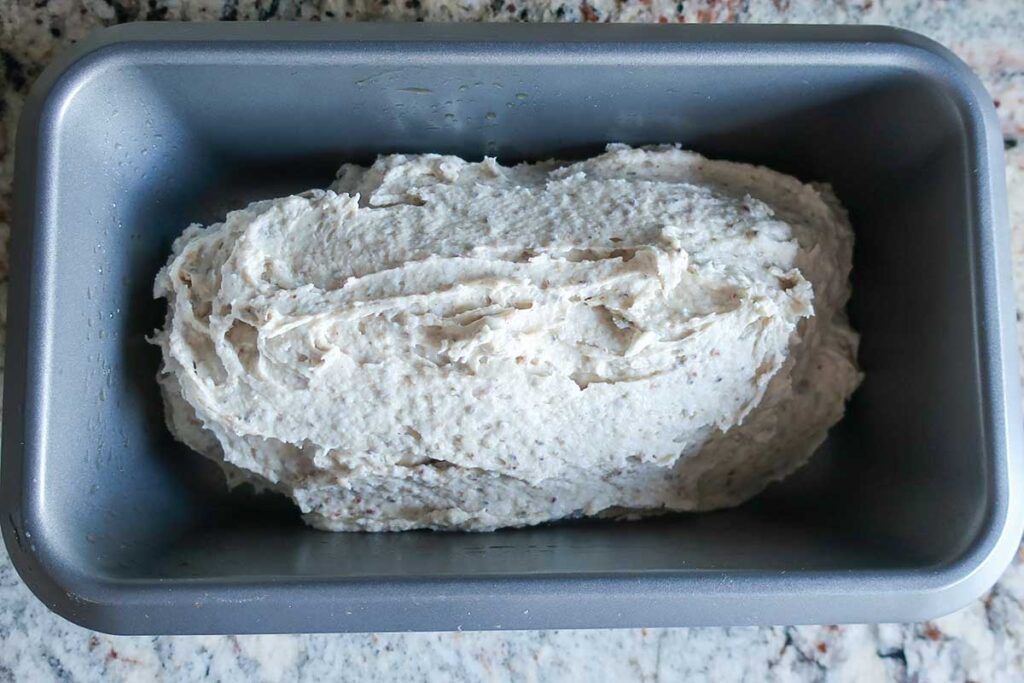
(984, 642)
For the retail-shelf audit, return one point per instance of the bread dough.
(438, 343)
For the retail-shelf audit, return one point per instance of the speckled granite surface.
(984, 642)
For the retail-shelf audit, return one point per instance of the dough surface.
(436, 343)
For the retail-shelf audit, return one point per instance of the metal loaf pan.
(912, 507)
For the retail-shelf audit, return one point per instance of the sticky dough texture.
(437, 343)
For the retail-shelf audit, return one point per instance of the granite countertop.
(983, 642)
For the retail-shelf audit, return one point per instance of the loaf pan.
(911, 508)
